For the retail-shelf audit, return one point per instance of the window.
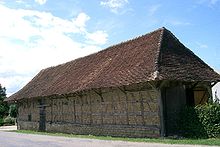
(29, 117)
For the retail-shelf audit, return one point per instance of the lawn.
(212, 141)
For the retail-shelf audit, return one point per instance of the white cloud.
(19, 1)
(98, 37)
(153, 9)
(114, 5)
(210, 3)
(174, 22)
(213, 2)
(9, 81)
(41, 2)
(31, 40)
(201, 45)
(81, 20)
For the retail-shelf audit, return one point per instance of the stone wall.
(131, 111)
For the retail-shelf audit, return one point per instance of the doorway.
(174, 100)
(42, 116)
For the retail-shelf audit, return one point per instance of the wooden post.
(74, 109)
(113, 109)
(161, 114)
(101, 100)
(142, 108)
(90, 108)
(209, 89)
(81, 109)
(101, 108)
(126, 104)
(51, 111)
(161, 105)
(62, 117)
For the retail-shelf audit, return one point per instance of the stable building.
(134, 89)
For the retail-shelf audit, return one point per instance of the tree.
(13, 110)
(3, 105)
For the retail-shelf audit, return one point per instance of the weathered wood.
(99, 93)
(161, 113)
(113, 108)
(126, 103)
(81, 109)
(90, 108)
(213, 84)
(51, 110)
(74, 109)
(142, 107)
(205, 92)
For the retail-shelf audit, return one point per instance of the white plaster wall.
(216, 90)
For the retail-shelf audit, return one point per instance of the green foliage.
(1, 122)
(13, 110)
(9, 120)
(190, 125)
(209, 116)
(203, 121)
(3, 105)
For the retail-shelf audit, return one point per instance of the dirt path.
(8, 128)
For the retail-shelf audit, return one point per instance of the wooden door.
(173, 101)
(42, 122)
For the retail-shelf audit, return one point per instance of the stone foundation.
(104, 130)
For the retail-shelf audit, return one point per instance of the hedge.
(9, 120)
(202, 121)
(1, 121)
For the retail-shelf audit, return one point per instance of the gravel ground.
(8, 128)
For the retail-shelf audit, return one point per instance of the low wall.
(104, 130)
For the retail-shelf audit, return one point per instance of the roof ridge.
(156, 72)
(135, 38)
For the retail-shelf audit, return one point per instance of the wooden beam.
(51, 111)
(209, 91)
(161, 114)
(194, 85)
(90, 108)
(213, 84)
(161, 105)
(81, 109)
(142, 108)
(203, 97)
(62, 115)
(126, 104)
(113, 108)
(102, 100)
(99, 93)
(74, 108)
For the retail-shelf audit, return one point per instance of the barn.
(134, 89)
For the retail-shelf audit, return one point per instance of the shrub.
(1, 122)
(209, 116)
(9, 120)
(13, 110)
(202, 121)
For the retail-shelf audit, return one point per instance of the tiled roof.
(155, 56)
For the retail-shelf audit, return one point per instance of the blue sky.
(36, 34)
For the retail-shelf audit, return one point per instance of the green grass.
(212, 141)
